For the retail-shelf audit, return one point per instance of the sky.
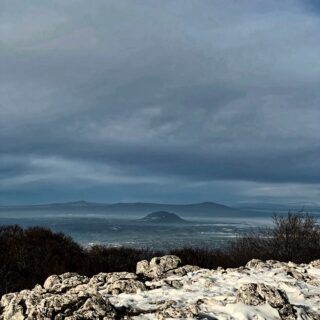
(160, 101)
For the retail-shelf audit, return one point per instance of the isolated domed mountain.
(162, 217)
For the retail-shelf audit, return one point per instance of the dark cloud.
(159, 101)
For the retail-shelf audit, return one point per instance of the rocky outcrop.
(255, 294)
(40, 304)
(163, 289)
(158, 266)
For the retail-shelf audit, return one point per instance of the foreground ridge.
(163, 289)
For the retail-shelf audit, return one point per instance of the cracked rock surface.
(163, 289)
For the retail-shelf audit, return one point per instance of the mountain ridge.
(202, 209)
(84, 202)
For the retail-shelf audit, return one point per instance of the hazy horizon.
(297, 206)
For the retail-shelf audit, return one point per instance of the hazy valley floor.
(115, 232)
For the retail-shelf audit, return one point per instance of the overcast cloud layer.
(167, 101)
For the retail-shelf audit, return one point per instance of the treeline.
(29, 256)
(294, 237)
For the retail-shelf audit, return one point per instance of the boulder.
(259, 264)
(116, 283)
(315, 264)
(182, 271)
(258, 293)
(64, 282)
(125, 286)
(176, 312)
(69, 305)
(94, 308)
(158, 266)
(255, 263)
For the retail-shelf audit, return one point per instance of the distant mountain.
(201, 210)
(205, 209)
(162, 217)
(80, 203)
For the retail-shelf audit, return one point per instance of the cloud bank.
(171, 101)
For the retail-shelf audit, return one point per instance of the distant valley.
(147, 225)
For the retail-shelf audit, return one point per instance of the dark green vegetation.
(29, 256)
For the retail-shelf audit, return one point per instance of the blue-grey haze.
(125, 224)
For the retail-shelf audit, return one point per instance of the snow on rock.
(258, 293)
(157, 266)
(163, 289)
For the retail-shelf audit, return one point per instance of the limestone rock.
(315, 264)
(181, 271)
(116, 282)
(162, 289)
(157, 266)
(258, 293)
(175, 312)
(27, 305)
(64, 282)
(126, 286)
(254, 263)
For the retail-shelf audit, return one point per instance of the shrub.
(104, 259)
(295, 237)
(30, 256)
